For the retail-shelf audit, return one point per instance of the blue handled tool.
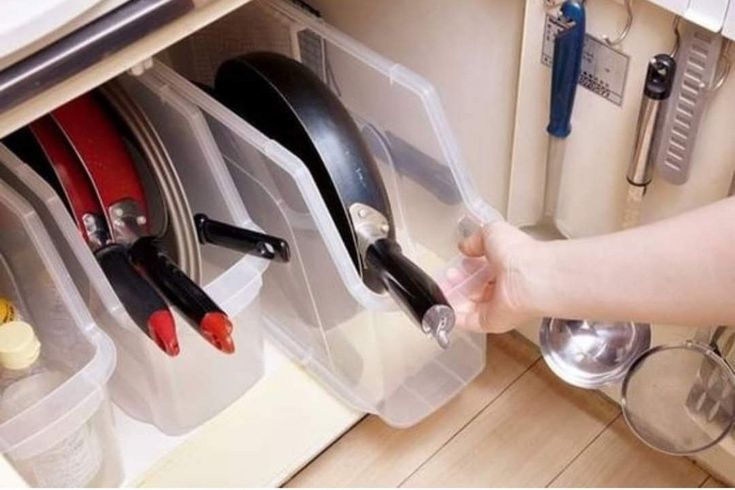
(567, 66)
(565, 71)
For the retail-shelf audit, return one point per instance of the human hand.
(502, 303)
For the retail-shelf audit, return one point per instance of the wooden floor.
(516, 425)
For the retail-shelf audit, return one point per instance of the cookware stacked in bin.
(97, 173)
(361, 315)
(371, 318)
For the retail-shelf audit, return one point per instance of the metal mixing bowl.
(591, 354)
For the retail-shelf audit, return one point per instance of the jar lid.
(19, 346)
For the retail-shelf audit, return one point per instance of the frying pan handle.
(183, 292)
(142, 302)
(415, 291)
(245, 241)
(179, 288)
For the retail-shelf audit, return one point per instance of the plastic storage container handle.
(568, 48)
(413, 289)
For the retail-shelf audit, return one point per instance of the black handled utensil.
(241, 239)
(657, 88)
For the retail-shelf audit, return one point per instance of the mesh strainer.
(668, 397)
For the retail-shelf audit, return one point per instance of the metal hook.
(677, 42)
(626, 30)
(726, 64)
(550, 4)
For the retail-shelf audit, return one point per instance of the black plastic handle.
(182, 291)
(416, 292)
(139, 298)
(660, 77)
(242, 240)
(179, 288)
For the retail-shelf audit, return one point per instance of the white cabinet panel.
(710, 14)
(728, 30)
(707, 13)
(676, 6)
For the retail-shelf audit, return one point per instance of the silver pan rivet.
(385, 228)
(141, 220)
(362, 213)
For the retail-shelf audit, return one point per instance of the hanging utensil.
(584, 353)
(90, 131)
(692, 386)
(697, 56)
(592, 354)
(656, 90)
(565, 71)
(663, 410)
(287, 102)
(142, 302)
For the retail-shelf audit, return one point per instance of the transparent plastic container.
(357, 342)
(67, 437)
(175, 394)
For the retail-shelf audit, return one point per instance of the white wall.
(470, 50)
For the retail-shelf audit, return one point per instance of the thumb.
(474, 245)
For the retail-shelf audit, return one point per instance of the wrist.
(534, 284)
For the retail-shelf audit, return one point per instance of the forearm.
(679, 271)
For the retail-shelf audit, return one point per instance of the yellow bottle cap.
(7, 311)
(19, 346)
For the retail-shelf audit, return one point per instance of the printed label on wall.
(604, 69)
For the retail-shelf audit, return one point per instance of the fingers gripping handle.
(568, 48)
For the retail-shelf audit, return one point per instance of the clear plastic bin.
(66, 438)
(359, 343)
(175, 394)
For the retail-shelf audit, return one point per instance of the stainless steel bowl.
(591, 354)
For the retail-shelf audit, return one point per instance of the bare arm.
(680, 271)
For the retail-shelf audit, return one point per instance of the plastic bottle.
(76, 459)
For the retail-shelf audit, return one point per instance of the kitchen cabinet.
(710, 14)
(707, 13)
(472, 53)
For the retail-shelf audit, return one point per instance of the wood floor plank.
(524, 438)
(712, 482)
(373, 454)
(618, 459)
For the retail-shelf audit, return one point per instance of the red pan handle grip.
(142, 302)
(209, 319)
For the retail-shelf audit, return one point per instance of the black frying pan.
(288, 103)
